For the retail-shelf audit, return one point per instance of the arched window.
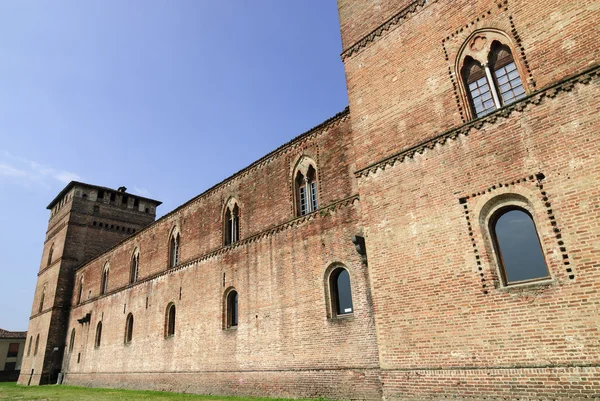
(489, 72)
(80, 290)
(129, 329)
(232, 223)
(50, 253)
(29, 346)
(340, 292)
(306, 187)
(170, 321)
(43, 296)
(232, 309)
(518, 249)
(37, 343)
(135, 263)
(104, 282)
(98, 334)
(72, 341)
(174, 243)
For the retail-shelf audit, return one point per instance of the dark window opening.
(50, 253)
(518, 246)
(147, 210)
(10, 366)
(37, 343)
(170, 326)
(80, 291)
(98, 334)
(232, 309)
(104, 284)
(125, 200)
(13, 350)
(100, 195)
(72, 340)
(41, 307)
(113, 197)
(136, 202)
(84, 196)
(129, 329)
(29, 346)
(341, 292)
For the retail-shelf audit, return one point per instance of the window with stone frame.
(134, 266)
(306, 188)
(231, 220)
(490, 73)
(174, 246)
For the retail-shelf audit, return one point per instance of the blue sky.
(165, 97)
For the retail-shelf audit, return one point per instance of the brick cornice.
(323, 212)
(395, 20)
(536, 98)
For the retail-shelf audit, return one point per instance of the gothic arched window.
(231, 229)
(135, 264)
(489, 72)
(174, 244)
(50, 253)
(306, 188)
(104, 281)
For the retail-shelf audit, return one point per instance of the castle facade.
(440, 238)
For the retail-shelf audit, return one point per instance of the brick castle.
(440, 238)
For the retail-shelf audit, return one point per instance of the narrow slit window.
(170, 323)
(98, 334)
(71, 341)
(232, 309)
(129, 329)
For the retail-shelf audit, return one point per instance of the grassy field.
(10, 391)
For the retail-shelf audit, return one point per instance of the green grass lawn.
(10, 391)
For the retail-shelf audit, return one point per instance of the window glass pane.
(511, 87)
(519, 247)
(344, 293)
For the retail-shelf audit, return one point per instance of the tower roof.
(90, 186)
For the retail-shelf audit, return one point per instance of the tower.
(85, 220)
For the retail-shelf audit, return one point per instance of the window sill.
(346, 317)
(529, 284)
(169, 336)
(231, 328)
